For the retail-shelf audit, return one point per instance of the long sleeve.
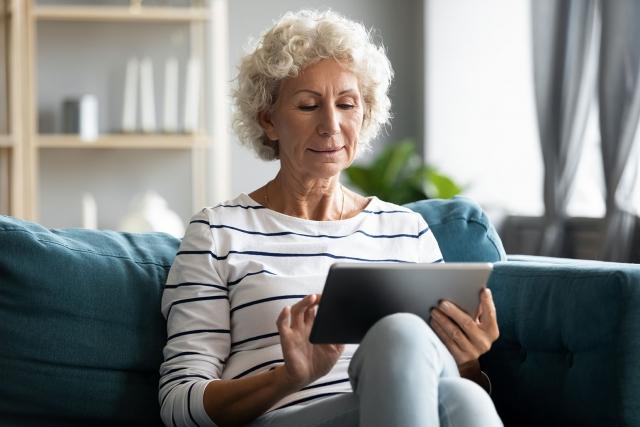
(428, 248)
(195, 304)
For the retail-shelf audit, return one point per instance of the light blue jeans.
(402, 376)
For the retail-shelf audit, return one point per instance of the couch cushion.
(569, 346)
(462, 230)
(80, 327)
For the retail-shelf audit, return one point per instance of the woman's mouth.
(326, 150)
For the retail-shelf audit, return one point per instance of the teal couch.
(81, 333)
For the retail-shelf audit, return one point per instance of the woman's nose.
(329, 122)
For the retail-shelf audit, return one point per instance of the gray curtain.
(565, 43)
(619, 93)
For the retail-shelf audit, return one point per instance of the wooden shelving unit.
(120, 13)
(124, 141)
(207, 29)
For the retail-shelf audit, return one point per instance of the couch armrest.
(569, 346)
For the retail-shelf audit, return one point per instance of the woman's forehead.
(321, 78)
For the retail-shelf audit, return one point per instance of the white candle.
(148, 100)
(89, 211)
(171, 96)
(192, 96)
(88, 118)
(130, 105)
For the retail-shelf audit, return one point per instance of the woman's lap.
(453, 399)
(334, 411)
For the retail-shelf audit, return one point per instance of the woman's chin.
(325, 170)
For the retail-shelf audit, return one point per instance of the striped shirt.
(239, 264)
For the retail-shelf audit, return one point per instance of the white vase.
(150, 212)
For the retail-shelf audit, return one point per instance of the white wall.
(480, 113)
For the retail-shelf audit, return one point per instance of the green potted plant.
(399, 175)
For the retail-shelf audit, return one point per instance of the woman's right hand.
(304, 362)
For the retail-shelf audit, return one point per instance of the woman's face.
(317, 120)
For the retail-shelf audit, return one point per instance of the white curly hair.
(296, 41)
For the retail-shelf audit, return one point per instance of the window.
(481, 122)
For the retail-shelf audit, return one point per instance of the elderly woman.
(243, 291)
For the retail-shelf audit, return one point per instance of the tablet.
(355, 295)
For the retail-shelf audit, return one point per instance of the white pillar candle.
(130, 105)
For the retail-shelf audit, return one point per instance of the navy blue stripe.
(184, 353)
(208, 285)
(326, 384)
(386, 212)
(284, 255)
(328, 236)
(258, 337)
(306, 399)
(239, 206)
(246, 304)
(270, 362)
(172, 371)
(169, 392)
(183, 377)
(235, 282)
(183, 301)
(423, 231)
(189, 405)
(199, 331)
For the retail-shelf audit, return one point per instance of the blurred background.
(115, 114)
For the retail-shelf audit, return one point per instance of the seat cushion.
(80, 324)
(462, 230)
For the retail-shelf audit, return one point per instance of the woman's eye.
(346, 106)
(308, 107)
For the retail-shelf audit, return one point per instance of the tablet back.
(355, 296)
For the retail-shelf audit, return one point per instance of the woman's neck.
(314, 199)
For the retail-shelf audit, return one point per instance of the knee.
(462, 401)
(400, 330)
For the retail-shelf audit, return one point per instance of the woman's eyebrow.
(319, 94)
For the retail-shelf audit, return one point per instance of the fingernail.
(445, 304)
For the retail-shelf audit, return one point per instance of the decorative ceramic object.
(89, 211)
(80, 116)
(192, 96)
(147, 96)
(170, 123)
(150, 212)
(130, 107)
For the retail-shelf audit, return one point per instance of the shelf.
(124, 141)
(6, 141)
(121, 13)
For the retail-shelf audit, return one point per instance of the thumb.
(487, 308)
(283, 319)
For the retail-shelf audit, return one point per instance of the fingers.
(283, 320)
(488, 317)
(455, 318)
(451, 333)
(303, 311)
(457, 353)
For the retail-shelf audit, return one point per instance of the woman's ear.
(265, 120)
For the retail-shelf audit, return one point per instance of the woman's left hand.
(466, 338)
